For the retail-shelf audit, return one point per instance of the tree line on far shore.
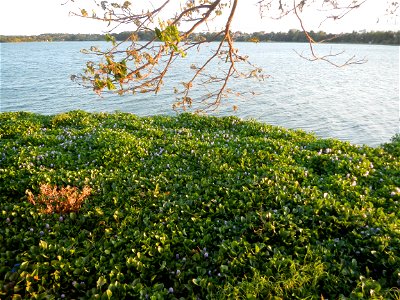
(293, 35)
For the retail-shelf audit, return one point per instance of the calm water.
(359, 104)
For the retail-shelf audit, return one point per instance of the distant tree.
(141, 67)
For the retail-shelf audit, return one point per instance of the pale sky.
(32, 17)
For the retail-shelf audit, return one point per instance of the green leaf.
(24, 266)
(158, 34)
(224, 268)
(43, 244)
(163, 264)
(110, 85)
(110, 38)
(101, 281)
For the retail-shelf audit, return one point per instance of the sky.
(33, 17)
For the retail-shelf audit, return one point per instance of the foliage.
(372, 37)
(195, 207)
(63, 200)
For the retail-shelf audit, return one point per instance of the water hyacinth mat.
(114, 206)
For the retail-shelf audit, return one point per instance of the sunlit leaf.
(84, 12)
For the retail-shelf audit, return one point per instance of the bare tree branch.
(327, 58)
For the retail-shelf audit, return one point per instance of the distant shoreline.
(294, 36)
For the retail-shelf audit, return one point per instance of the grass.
(192, 207)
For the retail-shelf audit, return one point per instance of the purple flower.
(61, 219)
(171, 290)
(206, 254)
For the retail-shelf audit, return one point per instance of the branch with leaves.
(140, 67)
(133, 66)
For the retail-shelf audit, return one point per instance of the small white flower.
(61, 219)
(62, 295)
(325, 195)
(171, 290)
(178, 272)
(31, 229)
(354, 183)
(47, 226)
(8, 220)
(206, 254)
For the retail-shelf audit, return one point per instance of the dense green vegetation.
(196, 207)
(373, 37)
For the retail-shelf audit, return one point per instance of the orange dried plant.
(63, 200)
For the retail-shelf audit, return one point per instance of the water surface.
(359, 103)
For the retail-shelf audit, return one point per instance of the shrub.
(63, 200)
